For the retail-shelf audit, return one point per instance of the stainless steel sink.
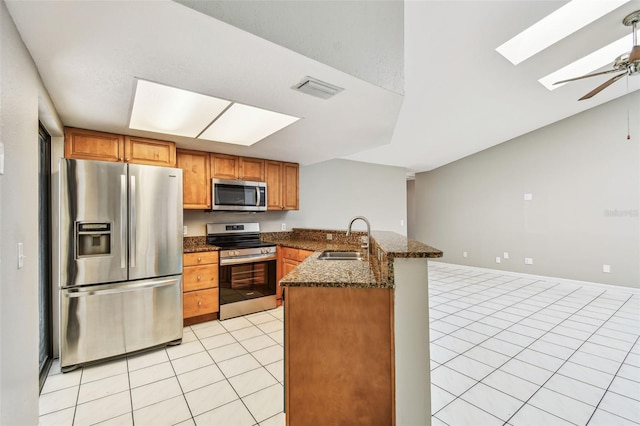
(340, 255)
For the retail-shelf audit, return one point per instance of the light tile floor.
(224, 373)
(506, 349)
(517, 350)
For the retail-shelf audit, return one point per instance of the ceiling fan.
(625, 64)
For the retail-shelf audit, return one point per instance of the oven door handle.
(252, 259)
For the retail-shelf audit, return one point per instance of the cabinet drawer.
(199, 277)
(200, 258)
(290, 253)
(200, 302)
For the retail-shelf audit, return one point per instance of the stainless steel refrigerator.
(120, 261)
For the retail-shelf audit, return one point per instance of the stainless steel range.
(247, 268)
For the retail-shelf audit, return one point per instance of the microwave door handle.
(123, 221)
(258, 196)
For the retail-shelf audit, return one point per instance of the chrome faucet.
(368, 243)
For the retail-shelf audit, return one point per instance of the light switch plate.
(20, 256)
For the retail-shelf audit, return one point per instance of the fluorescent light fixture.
(246, 125)
(592, 62)
(554, 27)
(165, 109)
(314, 87)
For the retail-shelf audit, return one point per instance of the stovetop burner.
(232, 236)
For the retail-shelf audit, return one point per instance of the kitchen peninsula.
(356, 332)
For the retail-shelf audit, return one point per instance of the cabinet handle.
(198, 277)
(126, 159)
(199, 259)
(119, 158)
(199, 303)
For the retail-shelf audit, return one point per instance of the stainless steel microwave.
(238, 195)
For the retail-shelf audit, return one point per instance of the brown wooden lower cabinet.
(339, 356)
(288, 260)
(200, 300)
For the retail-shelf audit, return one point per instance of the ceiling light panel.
(246, 125)
(589, 63)
(554, 27)
(165, 109)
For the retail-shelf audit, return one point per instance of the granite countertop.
(377, 272)
(196, 245)
(334, 273)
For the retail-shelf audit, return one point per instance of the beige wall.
(584, 177)
(21, 96)
(331, 193)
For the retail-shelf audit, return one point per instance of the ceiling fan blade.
(602, 86)
(635, 54)
(588, 75)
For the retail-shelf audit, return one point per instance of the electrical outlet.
(329, 237)
(528, 261)
(498, 260)
(505, 255)
(465, 254)
(606, 269)
(528, 197)
(283, 227)
(184, 230)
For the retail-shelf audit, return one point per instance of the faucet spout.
(366, 221)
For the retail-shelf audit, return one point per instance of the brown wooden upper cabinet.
(282, 185)
(196, 188)
(91, 145)
(232, 167)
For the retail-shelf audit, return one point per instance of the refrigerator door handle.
(119, 288)
(132, 224)
(123, 221)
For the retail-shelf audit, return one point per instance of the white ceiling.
(460, 96)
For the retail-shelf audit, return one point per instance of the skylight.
(552, 28)
(165, 109)
(246, 125)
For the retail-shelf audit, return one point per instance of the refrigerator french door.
(120, 259)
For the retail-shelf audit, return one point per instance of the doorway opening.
(44, 266)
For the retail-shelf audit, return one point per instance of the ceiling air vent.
(314, 87)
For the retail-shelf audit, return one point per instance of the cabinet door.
(90, 145)
(288, 266)
(201, 302)
(303, 254)
(196, 179)
(224, 166)
(290, 186)
(149, 151)
(273, 175)
(252, 169)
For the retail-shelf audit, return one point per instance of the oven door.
(247, 287)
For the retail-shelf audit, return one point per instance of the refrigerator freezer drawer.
(103, 321)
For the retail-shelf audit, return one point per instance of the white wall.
(331, 193)
(584, 176)
(21, 92)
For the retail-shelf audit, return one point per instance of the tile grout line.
(511, 358)
(566, 361)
